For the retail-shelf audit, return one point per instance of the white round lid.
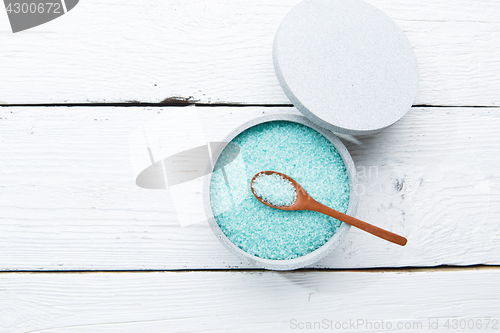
(345, 65)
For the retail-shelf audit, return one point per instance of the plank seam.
(408, 269)
(183, 103)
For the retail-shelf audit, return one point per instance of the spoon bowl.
(305, 202)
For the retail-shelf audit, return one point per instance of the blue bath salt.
(274, 189)
(292, 149)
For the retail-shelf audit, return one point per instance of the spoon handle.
(384, 234)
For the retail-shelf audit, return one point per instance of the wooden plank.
(218, 51)
(251, 302)
(69, 199)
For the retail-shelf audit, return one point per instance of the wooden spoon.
(306, 202)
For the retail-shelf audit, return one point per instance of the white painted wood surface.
(69, 199)
(240, 302)
(218, 51)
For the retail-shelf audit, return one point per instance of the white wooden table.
(83, 249)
